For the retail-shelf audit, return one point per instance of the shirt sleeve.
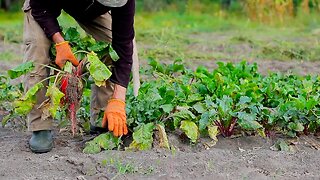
(45, 13)
(122, 42)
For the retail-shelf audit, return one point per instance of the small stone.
(53, 158)
(81, 178)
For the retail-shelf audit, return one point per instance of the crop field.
(223, 95)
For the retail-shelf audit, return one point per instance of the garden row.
(230, 99)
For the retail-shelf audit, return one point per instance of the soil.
(244, 157)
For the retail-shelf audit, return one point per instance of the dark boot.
(41, 141)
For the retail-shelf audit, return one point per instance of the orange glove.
(65, 54)
(115, 116)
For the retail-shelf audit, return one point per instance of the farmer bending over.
(41, 29)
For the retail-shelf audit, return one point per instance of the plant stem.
(82, 51)
(46, 78)
(57, 76)
(52, 67)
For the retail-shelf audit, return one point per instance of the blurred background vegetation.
(255, 9)
(207, 29)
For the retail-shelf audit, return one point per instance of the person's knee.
(37, 50)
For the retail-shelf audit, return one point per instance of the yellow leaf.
(213, 132)
(162, 137)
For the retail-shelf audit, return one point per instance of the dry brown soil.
(247, 157)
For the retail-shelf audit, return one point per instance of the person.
(106, 20)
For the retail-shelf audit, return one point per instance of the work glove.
(65, 54)
(115, 117)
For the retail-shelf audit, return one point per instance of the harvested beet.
(71, 86)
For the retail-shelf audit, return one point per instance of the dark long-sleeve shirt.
(46, 12)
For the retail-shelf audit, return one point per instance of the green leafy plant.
(104, 141)
(66, 86)
(143, 137)
(231, 99)
(11, 95)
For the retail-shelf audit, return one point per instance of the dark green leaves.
(167, 108)
(98, 46)
(248, 121)
(206, 118)
(72, 35)
(232, 96)
(156, 66)
(81, 45)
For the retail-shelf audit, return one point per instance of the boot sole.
(41, 150)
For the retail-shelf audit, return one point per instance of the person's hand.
(65, 54)
(115, 117)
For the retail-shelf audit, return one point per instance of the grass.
(121, 167)
(206, 36)
(11, 27)
(195, 36)
(9, 56)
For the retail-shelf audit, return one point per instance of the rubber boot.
(41, 141)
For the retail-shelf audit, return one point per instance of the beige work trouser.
(36, 49)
